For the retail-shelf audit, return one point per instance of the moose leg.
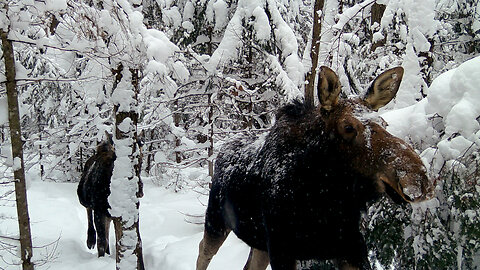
(282, 262)
(355, 254)
(91, 234)
(208, 248)
(107, 234)
(279, 252)
(257, 260)
(100, 220)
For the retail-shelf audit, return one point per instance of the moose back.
(298, 192)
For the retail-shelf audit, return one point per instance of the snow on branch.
(351, 13)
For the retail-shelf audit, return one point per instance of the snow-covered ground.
(167, 219)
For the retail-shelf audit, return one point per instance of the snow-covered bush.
(441, 234)
(445, 125)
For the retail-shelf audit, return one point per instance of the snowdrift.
(444, 126)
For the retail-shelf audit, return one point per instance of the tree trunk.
(177, 117)
(310, 77)
(376, 17)
(125, 210)
(17, 154)
(150, 155)
(426, 66)
(210, 136)
(40, 157)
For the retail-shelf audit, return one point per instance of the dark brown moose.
(93, 191)
(298, 192)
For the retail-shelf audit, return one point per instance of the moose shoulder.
(298, 192)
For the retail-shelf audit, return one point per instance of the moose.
(94, 188)
(297, 193)
(93, 191)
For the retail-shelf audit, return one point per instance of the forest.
(175, 80)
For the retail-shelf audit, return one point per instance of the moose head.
(361, 135)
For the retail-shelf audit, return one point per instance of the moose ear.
(384, 88)
(328, 88)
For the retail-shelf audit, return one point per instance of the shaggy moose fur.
(297, 193)
(93, 191)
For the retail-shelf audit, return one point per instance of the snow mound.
(456, 97)
(446, 124)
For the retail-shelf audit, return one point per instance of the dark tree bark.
(177, 117)
(210, 136)
(317, 28)
(150, 155)
(376, 17)
(426, 66)
(17, 154)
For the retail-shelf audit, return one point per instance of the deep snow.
(446, 124)
(168, 227)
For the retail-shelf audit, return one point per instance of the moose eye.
(349, 129)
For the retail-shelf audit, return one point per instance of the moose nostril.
(409, 198)
(411, 193)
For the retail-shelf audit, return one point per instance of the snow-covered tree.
(238, 55)
(459, 32)
(130, 49)
(86, 59)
